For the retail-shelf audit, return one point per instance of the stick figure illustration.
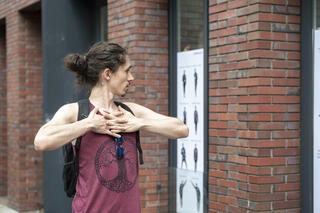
(183, 154)
(181, 186)
(195, 156)
(184, 81)
(195, 75)
(195, 118)
(195, 186)
(184, 115)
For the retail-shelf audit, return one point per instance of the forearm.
(52, 137)
(172, 128)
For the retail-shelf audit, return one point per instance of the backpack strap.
(83, 112)
(71, 154)
(137, 133)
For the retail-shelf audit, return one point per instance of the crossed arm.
(64, 127)
(153, 122)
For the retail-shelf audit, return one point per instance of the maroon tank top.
(106, 184)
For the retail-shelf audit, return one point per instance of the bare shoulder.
(67, 113)
(136, 108)
(142, 111)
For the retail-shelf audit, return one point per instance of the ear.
(106, 74)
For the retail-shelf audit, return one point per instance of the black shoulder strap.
(83, 112)
(137, 133)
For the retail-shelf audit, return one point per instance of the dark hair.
(100, 56)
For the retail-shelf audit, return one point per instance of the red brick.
(272, 17)
(227, 200)
(267, 196)
(217, 205)
(286, 82)
(267, 36)
(267, 108)
(254, 99)
(253, 45)
(254, 82)
(286, 152)
(286, 204)
(260, 188)
(287, 187)
(267, 143)
(266, 161)
(237, 159)
(266, 54)
(227, 183)
(238, 176)
(237, 4)
(227, 116)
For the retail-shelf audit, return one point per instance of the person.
(184, 81)
(184, 158)
(195, 156)
(107, 182)
(184, 115)
(195, 75)
(198, 194)
(195, 119)
(182, 184)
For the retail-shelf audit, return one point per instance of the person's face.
(121, 79)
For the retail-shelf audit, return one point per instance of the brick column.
(142, 27)
(24, 100)
(254, 116)
(3, 113)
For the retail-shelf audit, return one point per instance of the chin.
(123, 94)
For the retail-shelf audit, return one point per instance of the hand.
(116, 121)
(132, 123)
(99, 124)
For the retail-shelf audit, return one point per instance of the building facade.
(257, 81)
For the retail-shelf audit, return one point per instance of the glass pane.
(104, 23)
(317, 13)
(189, 25)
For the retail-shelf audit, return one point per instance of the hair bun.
(76, 63)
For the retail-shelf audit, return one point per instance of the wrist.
(87, 124)
(143, 124)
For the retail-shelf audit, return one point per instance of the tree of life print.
(117, 175)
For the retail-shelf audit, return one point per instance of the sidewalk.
(4, 209)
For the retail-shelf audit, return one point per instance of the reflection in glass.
(104, 23)
(189, 25)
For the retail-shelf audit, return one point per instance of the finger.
(108, 116)
(117, 128)
(117, 122)
(106, 111)
(117, 114)
(113, 134)
(121, 121)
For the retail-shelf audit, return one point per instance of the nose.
(130, 77)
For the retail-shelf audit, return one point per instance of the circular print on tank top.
(117, 175)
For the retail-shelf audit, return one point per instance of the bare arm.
(150, 121)
(64, 128)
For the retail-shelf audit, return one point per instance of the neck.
(101, 97)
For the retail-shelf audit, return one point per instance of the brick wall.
(142, 27)
(3, 114)
(24, 104)
(254, 135)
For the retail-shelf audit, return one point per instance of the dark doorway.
(67, 27)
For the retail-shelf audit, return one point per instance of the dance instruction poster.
(316, 123)
(190, 100)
